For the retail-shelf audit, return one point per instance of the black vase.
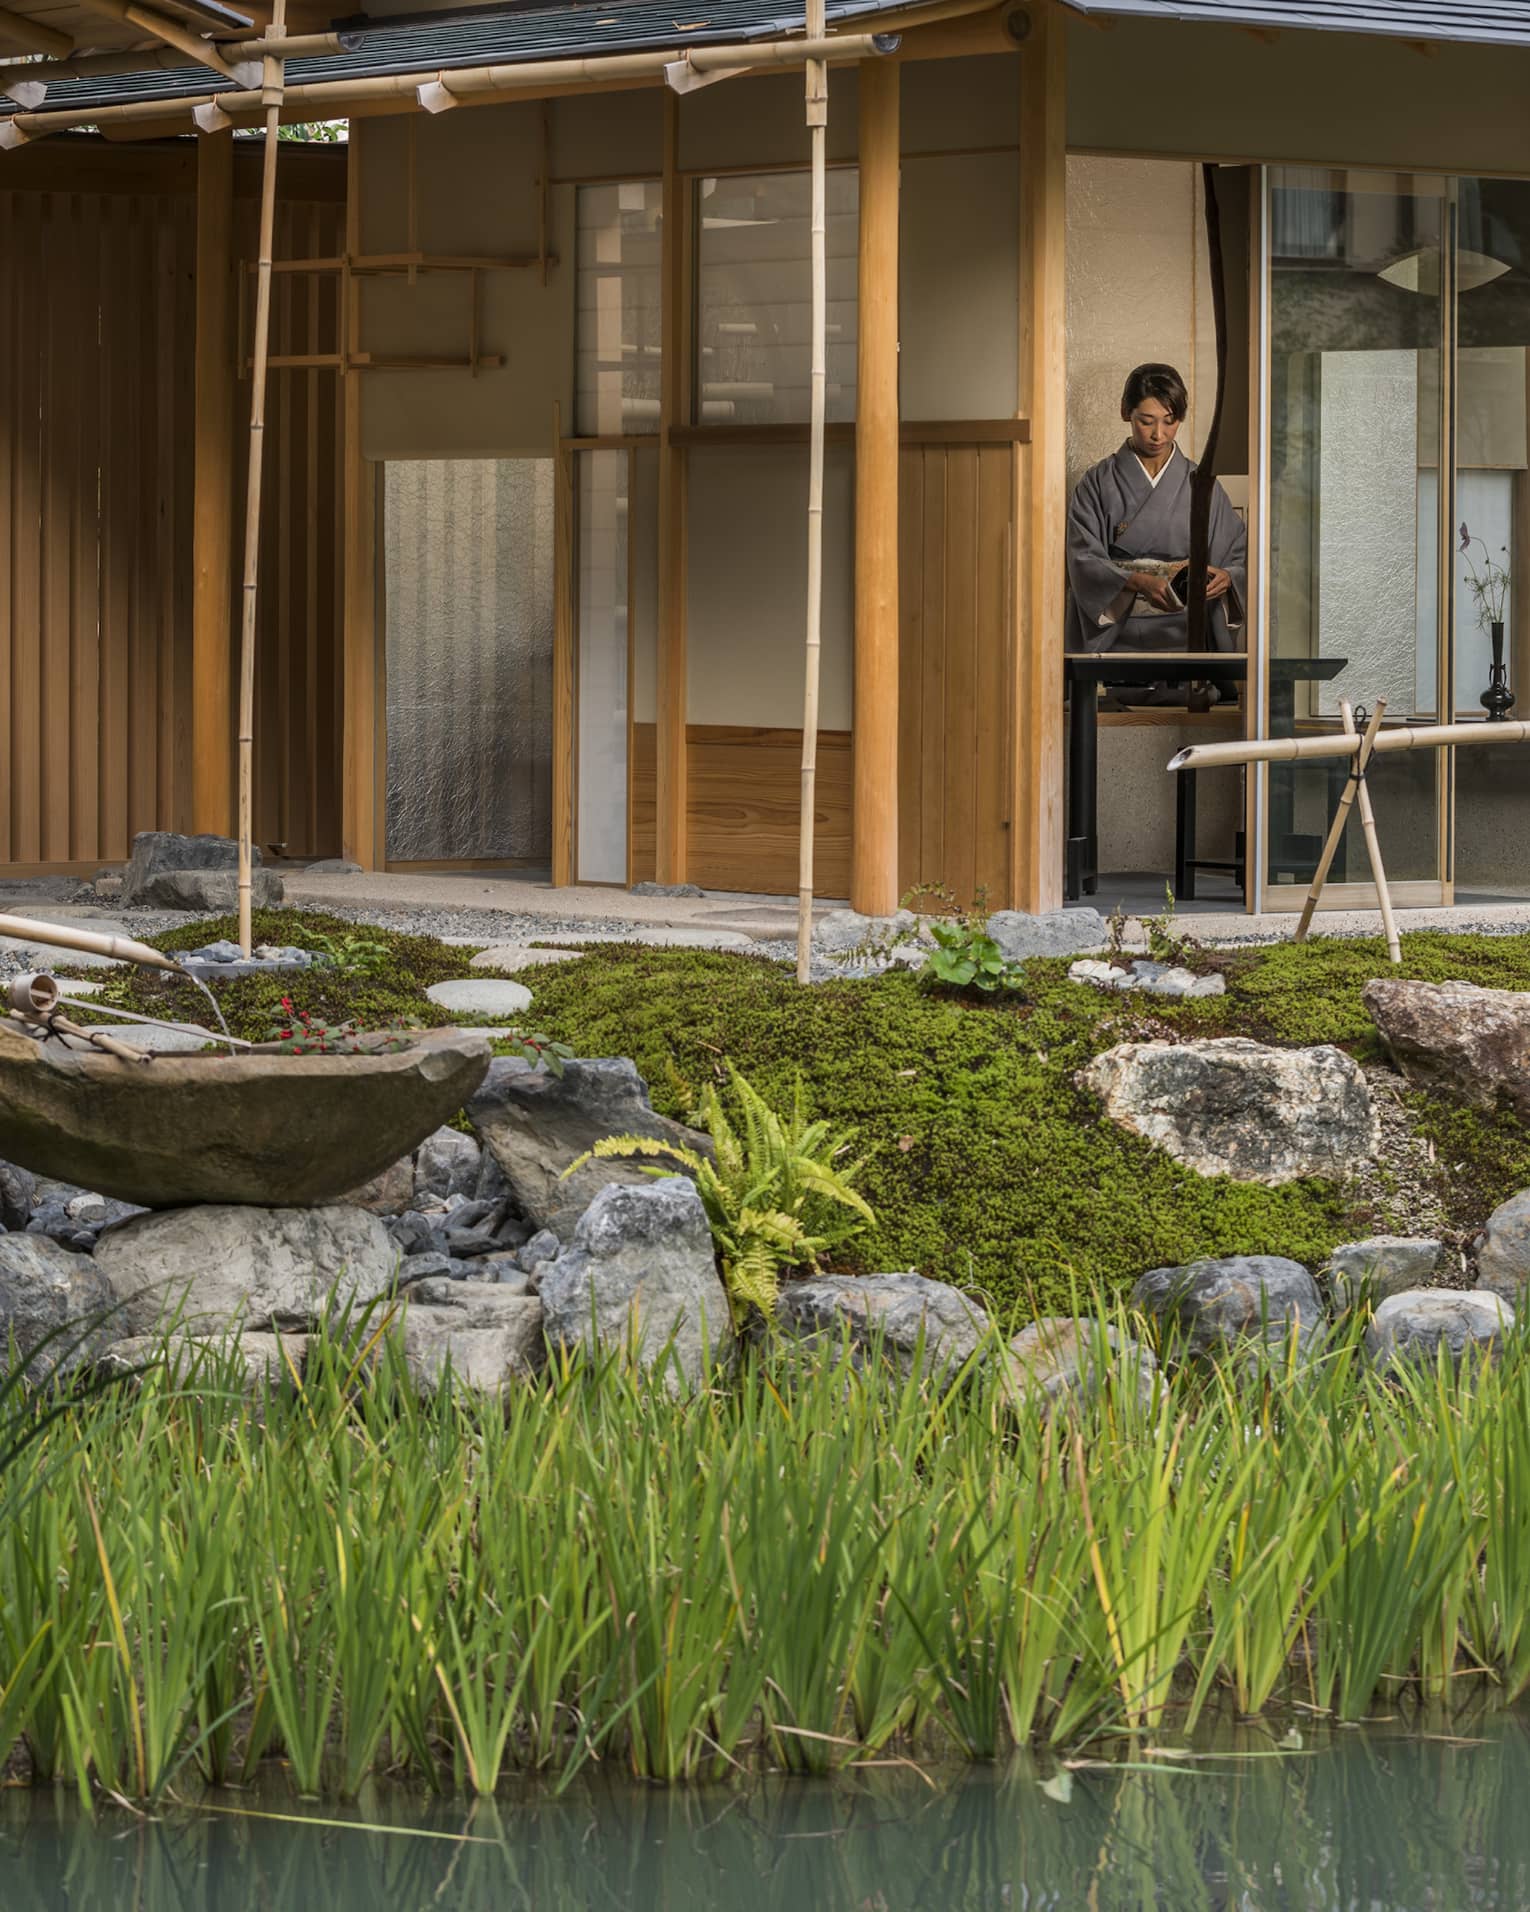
(1497, 700)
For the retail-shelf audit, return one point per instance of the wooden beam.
(670, 822)
(31, 33)
(169, 33)
(1036, 820)
(361, 771)
(874, 806)
(212, 800)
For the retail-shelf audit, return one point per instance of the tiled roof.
(1492, 22)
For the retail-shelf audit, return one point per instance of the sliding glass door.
(1357, 318)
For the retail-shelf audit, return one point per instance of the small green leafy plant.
(967, 957)
(535, 1049)
(356, 955)
(776, 1197)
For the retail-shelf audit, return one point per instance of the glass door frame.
(1261, 895)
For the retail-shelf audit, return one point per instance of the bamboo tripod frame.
(1355, 787)
(271, 94)
(818, 125)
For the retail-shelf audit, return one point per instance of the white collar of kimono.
(1153, 476)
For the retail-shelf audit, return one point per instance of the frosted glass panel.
(604, 504)
(755, 298)
(619, 314)
(468, 556)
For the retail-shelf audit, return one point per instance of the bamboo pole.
(1368, 825)
(818, 124)
(1341, 814)
(121, 949)
(1298, 749)
(272, 95)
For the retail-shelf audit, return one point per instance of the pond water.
(1362, 1820)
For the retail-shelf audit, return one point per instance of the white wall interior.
(601, 679)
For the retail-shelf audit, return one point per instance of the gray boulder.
(1470, 1043)
(209, 1270)
(258, 1361)
(641, 1275)
(18, 1187)
(841, 931)
(1502, 1250)
(535, 1124)
(48, 1290)
(1239, 1304)
(911, 1319)
(446, 1163)
(1411, 1328)
(1061, 1358)
(1234, 1107)
(487, 1336)
(389, 1193)
(332, 866)
(1380, 1266)
(206, 892)
(169, 871)
(1051, 933)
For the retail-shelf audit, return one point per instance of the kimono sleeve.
(1227, 549)
(1096, 583)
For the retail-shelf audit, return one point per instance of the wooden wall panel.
(955, 665)
(743, 794)
(97, 327)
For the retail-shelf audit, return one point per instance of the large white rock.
(908, 1318)
(54, 1303)
(211, 1269)
(1234, 1107)
(257, 1361)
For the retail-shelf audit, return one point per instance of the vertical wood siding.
(97, 295)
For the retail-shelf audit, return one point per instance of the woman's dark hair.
(1155, 381)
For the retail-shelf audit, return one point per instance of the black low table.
(1085, 671)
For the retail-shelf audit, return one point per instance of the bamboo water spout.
(120, 949)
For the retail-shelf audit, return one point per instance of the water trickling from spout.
(198, 983)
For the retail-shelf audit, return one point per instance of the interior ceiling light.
(1420, 271)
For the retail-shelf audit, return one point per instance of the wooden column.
(564, 561)
(670, 820)
(362, 762)
(874, 808)
(212, 680)
(1041, 474)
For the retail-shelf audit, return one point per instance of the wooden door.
(955, 651)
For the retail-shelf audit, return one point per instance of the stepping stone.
(513, 956)
(486, 996)
(660, 937)
(68, 988)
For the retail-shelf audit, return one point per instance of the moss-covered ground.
(984, 1162)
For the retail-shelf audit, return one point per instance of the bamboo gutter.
(1299, 749)
(440, 88)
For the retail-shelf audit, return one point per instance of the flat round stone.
(472, 996)
(514, 956)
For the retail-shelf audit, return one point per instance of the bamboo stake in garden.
(818, 121)
(271, 96)
(1341, 814)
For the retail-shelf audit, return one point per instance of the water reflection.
(1366, 1820)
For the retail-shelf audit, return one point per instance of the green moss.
(986, 1165)
(1484, 1156)
(253, 1004)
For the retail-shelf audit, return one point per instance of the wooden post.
(818, 126)
(271, 95)
(874, 804)
(360, 768)
(564, 560)
(670, 686)
(1040, 492)
(212, 677)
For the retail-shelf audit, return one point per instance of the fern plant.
(775, 1197)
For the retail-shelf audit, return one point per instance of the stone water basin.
(260, 1128)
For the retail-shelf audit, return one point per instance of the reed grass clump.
(797, 1566)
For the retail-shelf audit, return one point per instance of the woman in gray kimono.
(1129, 535)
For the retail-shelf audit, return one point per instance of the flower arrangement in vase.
(1489, 586)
